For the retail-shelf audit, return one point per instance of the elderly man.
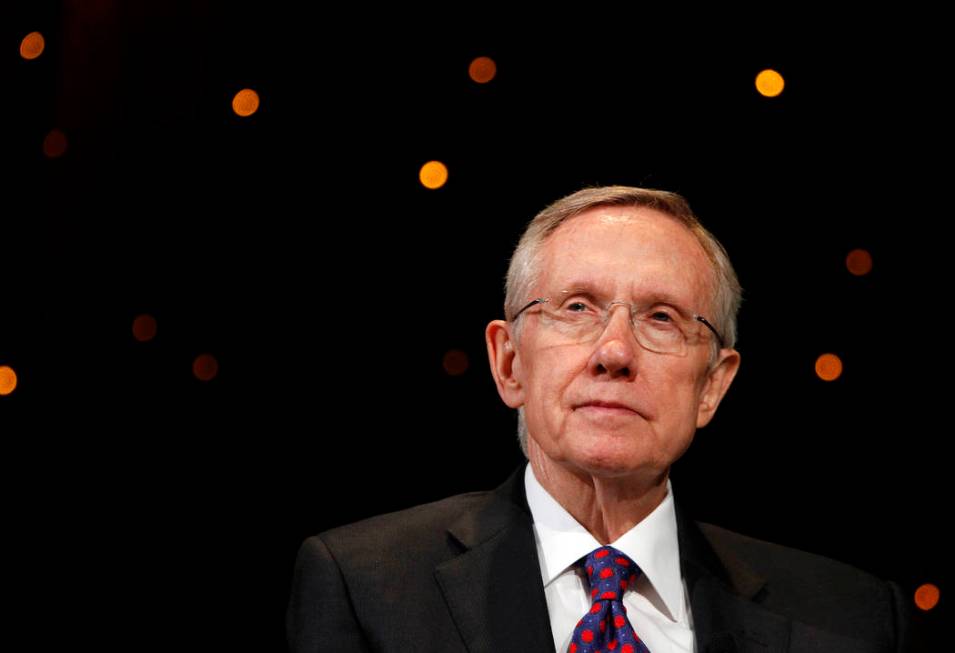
(618, 345)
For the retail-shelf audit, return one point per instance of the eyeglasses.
(579, 317)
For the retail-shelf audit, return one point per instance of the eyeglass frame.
(695, 316)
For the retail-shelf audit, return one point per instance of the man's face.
(634, 255)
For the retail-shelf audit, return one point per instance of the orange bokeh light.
(769, 83)
(205, 367)
(926, 596)
(828, 367)
(433, 174)
(456, 362)
(859, 262)
(32, 45)
(144, 328)
(54, 145)
(245, 102)
(482, 70)
(8, 380)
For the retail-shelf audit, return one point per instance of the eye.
(578, 308)
(662, 318)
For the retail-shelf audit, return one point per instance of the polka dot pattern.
(605, 627)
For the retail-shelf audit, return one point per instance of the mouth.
(605, 408)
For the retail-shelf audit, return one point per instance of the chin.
(616, 453)
(610, 462)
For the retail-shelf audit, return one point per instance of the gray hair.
(523, 274)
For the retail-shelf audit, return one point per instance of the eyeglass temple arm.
(539, 300)
(700, 318)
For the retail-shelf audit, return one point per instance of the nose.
(616, 351)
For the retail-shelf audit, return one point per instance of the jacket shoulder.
(813, 589)
(777, 563)
(421, 530)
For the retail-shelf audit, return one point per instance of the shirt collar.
(652, 544)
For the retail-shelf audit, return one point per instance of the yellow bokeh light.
(8, 380)
(205, 367)
(32, 45)
(433, 174)
(456, 362)
(769, 83)
(245, 102)
(828, 367)
(926, 596)
(144, 328)
(859, 262)
(482, 70)
(55, 144)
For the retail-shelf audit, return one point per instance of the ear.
(718, 380)
(505, 363)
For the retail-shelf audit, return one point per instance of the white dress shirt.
(657, 604)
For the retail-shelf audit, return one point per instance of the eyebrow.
(590, 289)
(584, 286)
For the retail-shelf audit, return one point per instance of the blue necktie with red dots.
(605, 627)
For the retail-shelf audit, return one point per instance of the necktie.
(605, 627)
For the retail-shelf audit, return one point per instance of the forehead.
(634, 251)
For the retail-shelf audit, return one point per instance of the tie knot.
(610, 572)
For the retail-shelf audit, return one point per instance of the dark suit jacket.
(462, 575)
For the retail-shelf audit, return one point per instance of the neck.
(607, 505)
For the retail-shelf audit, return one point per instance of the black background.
(147, 509)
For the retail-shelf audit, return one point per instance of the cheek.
(546, 399)
(678, 397)
(546, 391)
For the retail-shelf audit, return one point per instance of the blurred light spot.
(482, 70)
(144, 328)
(434, 174)
(456, 362)
(769, 83)
(54, 145)
(205, 367)
(32, 45)
(828, 367)
(245, 102)
(8, 380)
(859, 262)
(926, 596)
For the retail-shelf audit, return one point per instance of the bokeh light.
(8, 380)
(926, 596)
(245, 102)
(55, 144)
(433, 174)
(205, 367)
(769, 83)
(32, 45)
(456, 362)
(859, 262)
(144, 328)
(482, 70)
(828, 367)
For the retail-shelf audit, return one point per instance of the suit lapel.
(494, 589)
(724, 598)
